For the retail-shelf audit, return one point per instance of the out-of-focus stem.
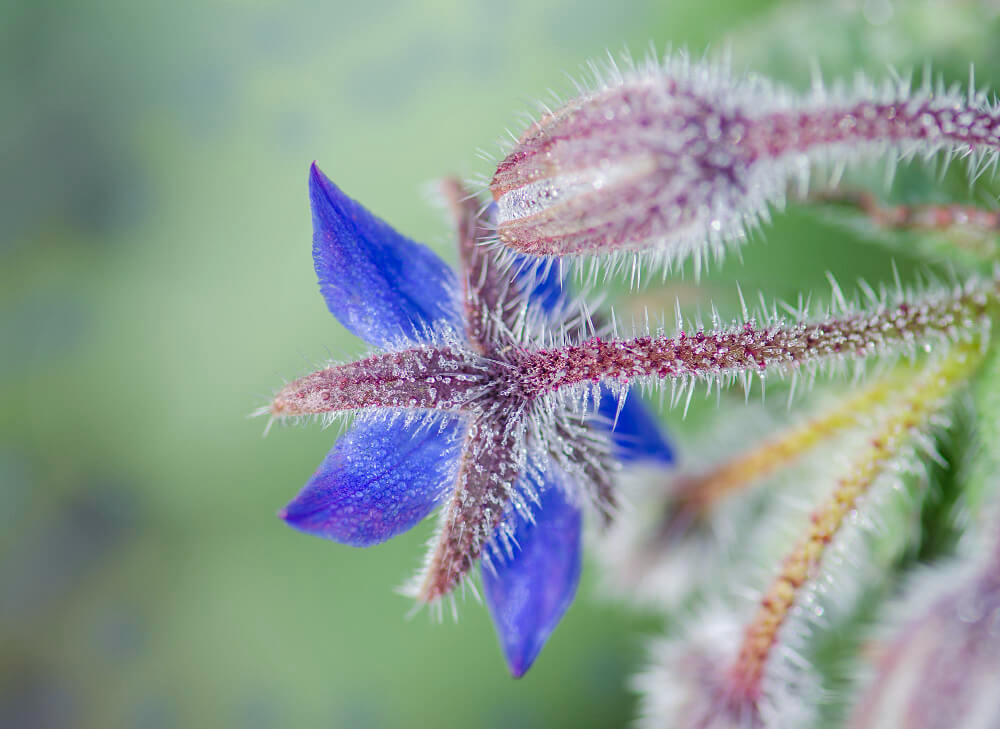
(699, 493)
(972, 230)
(930, 392)
(981, 485)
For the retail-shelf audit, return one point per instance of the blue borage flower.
(443, 420)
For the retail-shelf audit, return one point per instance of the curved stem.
(930, 393)
(701, 492)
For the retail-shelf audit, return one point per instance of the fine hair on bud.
(676, 159)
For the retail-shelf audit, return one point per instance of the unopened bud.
(678, 159)
(943, 667)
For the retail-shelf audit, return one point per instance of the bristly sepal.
(435, 376)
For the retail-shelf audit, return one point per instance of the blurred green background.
(156, 286)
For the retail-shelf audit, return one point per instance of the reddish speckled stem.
(751, 348)
(930, 121)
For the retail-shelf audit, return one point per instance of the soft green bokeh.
(156, 286)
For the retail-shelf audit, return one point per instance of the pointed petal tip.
(326, 198)
(315, 173)
(529, 593)
(293, 513)
(518, 666)
(520, 655)
(319, 183)
(378, 283)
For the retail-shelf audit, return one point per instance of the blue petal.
(378, 283)
(541, 279)
(529, 592)
(377, 481)
(637, 435)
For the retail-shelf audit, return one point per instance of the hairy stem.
(699, 493)
(750, 348)
(981, 488)
(930, 393)
(926, 120)
(965, 230)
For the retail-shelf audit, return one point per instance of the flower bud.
(943, 668)
(689, 683)
(655, 161)
(678, 159)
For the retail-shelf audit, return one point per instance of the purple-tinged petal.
(379, 480)
(528, 593)
(378, 283)
(636, 434)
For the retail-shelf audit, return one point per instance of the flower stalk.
(964, 233)
(749, 348)
(696, 495)
(929, 394)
